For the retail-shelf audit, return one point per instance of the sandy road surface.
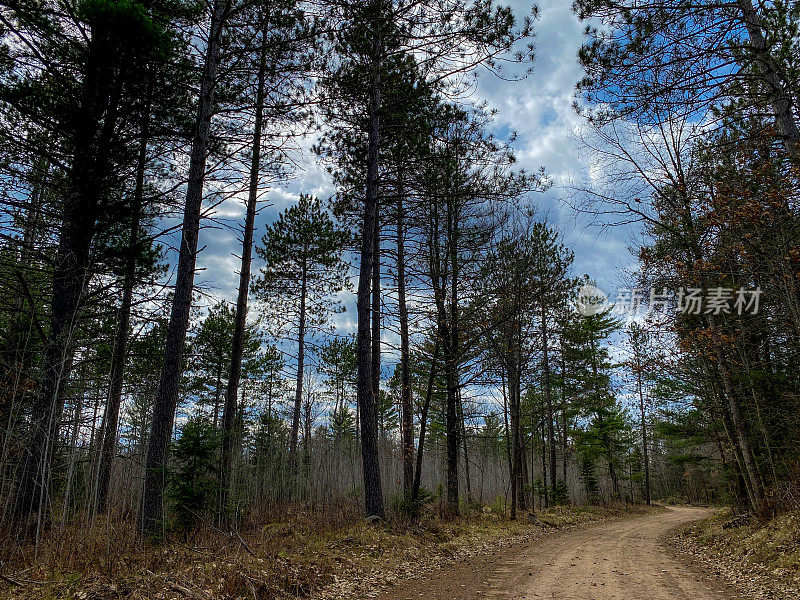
(626, 559)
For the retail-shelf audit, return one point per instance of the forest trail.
(626, 559)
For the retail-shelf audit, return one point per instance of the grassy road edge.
(760, 559)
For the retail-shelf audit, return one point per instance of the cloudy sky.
(538, 108)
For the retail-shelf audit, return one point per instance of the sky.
(539, 109)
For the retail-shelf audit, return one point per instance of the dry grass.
(761, 558)
(296, 556)
(772, 546)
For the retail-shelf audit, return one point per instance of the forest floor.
(761, 558)
(622, 553)
(299, 556)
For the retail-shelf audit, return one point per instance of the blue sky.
(538, 108)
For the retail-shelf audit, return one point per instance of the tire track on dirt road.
(625, 559)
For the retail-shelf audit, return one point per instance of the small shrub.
(403, 505)
(589, 477)
(560, 493)
(194, 480)
(472, 505)
(498, 505)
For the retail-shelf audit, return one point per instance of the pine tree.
(210, 357)
(605, 434)
(552, 261)
(303, 273)
(638, 339)
(193, 482)
(338, 363)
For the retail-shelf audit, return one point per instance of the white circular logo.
(591, 300)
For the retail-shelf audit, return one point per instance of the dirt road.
(621, 560)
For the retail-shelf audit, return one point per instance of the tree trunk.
(508, 441)
(518, 450)
(240, 319)
(452, 434)
(452, 426)
(407, 407)
(759, 394)
(92, 136)
(564, 444)
(548, 396)
(612, 472)
(73, 450)
(217, 391)
(375, 375)
(464, 448)
(423, 421)
(515, 383)
(117, 377)
(373, 495)
(545, 484)
(645, 451)
(298, 396)
(743, 484)
(513, 433)
(166, 400)
(740, 432)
